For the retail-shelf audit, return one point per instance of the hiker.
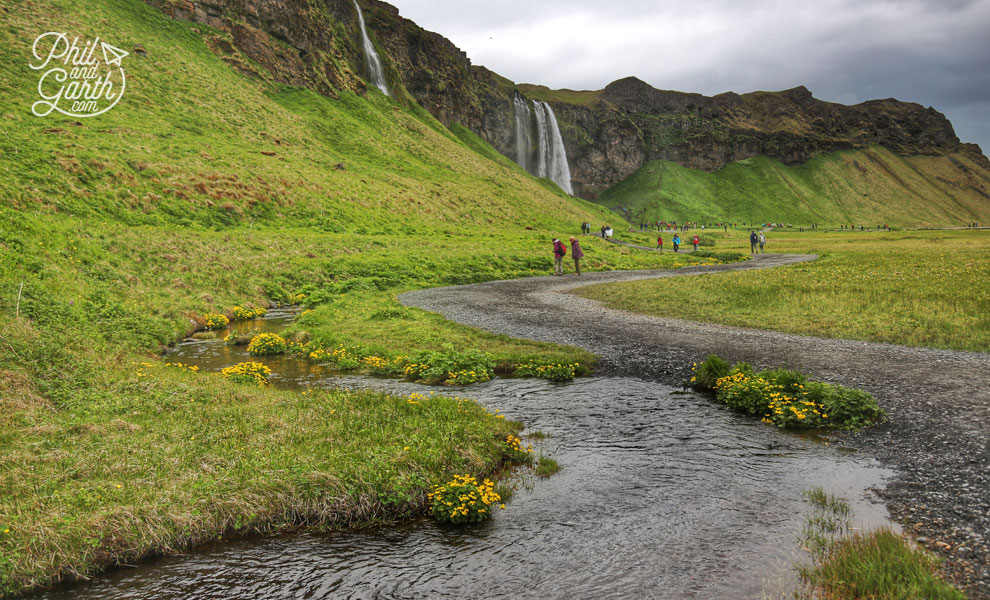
(608, 231)
(696, 241)
(559, 251)
(763, 241)
(752, 242)
(676, 241)
(603, 233)
(576, 254)
(660, 243)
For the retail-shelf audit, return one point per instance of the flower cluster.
(345, 359)
(376, 364)
(465, 377)
(463, 500)
(246, 314)
(215, 321)
(782, 405)
(267, 343)
(554, 372)
(296, 298)
(142, 367)
(517, 452)
(248, 372)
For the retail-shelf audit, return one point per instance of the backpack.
(561, 249)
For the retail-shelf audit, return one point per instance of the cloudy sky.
(933, 52)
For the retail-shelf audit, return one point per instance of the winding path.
(938, 401)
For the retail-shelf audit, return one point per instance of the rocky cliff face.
(607, 134)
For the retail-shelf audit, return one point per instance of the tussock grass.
(917, 288)
(880, 565)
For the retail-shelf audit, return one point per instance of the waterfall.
(551, 160)
(522, 131)
(374, 63)
(542, 149)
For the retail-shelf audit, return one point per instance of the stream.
(662, 494)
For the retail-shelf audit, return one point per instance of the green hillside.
(206, 188)
(867, 187)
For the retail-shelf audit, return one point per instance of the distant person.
(576, 254)
(753, 240)
(676, 241)
(559, 251)
(608, 232)
(763, 241)
(603, 233)
(696, 241)
(660, 243)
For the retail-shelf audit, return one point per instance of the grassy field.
(855, 187)
(204, 189)
(916, 288)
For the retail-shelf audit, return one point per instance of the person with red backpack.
(660, 243)
(695, 241)
(559, 251)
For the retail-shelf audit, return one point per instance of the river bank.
(936, 437)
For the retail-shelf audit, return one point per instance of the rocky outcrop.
(607, 134)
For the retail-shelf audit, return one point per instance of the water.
(661, 494)
(374, 63)
(558, 170)
(522, 130)
(551, 159)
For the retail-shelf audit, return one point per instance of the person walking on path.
(752, 242)
(763, 241)
(695, 241)
(660, 243)
(576, 254)
(677, 241)
(603, 233)
(559, 251)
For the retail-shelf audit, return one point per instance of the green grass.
(856, 187)
(201, 190)
(880, 564)
(163, 462)
(924, 288)
(546, 466)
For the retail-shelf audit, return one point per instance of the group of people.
(560, 251)
(676, 241)
(756, 240)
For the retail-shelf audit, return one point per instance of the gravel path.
(938, 401)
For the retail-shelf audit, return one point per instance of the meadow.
(914, 288)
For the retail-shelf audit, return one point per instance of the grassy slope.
(911, 288)
(866, 187)
(124, 227)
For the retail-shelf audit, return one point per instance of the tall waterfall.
(374, 63)
(522, 130)
(558, 169)
(551, 160)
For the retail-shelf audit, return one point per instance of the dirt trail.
(938, 401)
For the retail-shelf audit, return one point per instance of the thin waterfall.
(374, 63)
(559, 171)
(522, 131)
(542, 148)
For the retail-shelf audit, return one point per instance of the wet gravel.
(937, 401)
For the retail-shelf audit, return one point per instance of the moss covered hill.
(867, 187)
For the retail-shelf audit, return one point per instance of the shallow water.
(661, 494)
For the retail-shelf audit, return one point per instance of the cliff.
(608, 134)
